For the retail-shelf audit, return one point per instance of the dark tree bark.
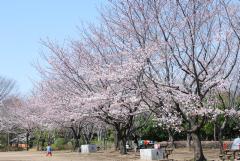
(198, 152)
(76, 136)
(123, 148)
(43, 140)
(27, 138)
(122, 140)
(87, 138)
(116, 141)
(215, 129)
(18, 142)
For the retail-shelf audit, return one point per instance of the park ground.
(179, 154)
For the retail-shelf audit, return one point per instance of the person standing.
(49, 150)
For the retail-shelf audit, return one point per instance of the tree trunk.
(220, 141)
(198, 152)
(76, 145)
(42, 143)
(87, 138)
(188, 144)
(171, 138)
(38, 141)
(8, 141)
(76, 140)
(49, 141)
(76, 137)
(117, 140)
(123, 149)
(99, 134)
(135, 143)
(215, 132)
(18, 142)
(27, 137)
(220, 133)
(105, 139)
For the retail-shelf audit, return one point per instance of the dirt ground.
(178, 154)
(184, 154)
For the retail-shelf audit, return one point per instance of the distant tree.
(6, 86)
(20, 116)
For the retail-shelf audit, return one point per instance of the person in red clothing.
(145, 142)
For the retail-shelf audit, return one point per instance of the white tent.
(236, 144)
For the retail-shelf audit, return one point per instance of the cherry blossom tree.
(57, 112)
(91, 87)
(8, 121)
(24, 115)
(6, 87)
(64, 109)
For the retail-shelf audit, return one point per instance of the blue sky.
(22, 25)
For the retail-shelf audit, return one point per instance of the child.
(49, 150)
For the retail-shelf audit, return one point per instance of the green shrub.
(59, 144)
